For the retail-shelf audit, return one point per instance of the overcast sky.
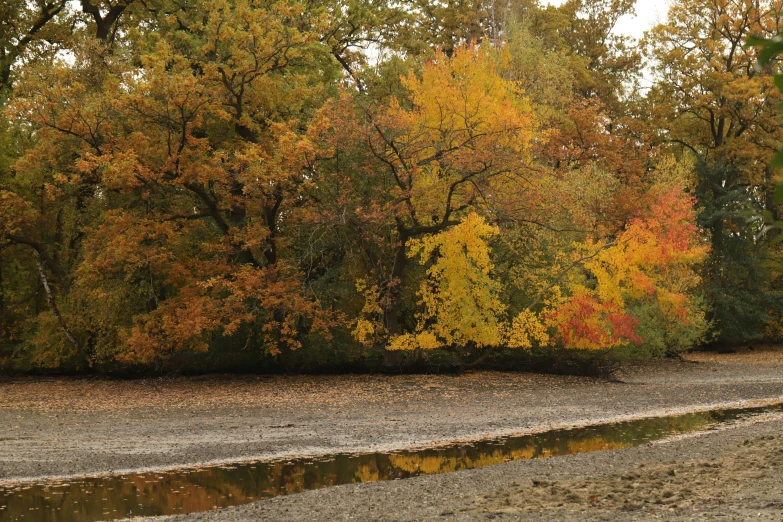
(648, 14)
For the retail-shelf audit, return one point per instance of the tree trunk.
(56, 311)
(393, 359)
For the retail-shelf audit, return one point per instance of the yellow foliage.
(465, 92)
(526, 328)
(404, 342)
(463, 125)
(366, 329)
(459, 297)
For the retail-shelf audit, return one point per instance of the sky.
(648, 14)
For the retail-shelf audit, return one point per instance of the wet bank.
(81, 427)
(197, 490)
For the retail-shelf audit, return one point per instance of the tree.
(459, 298)
(649, 264)
(432, 157)
(173, 166)
(710, 97)
(712, 101)
(604, 63)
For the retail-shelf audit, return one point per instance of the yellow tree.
(460, 299)
(433, 156)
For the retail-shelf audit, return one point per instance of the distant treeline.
(354, 185)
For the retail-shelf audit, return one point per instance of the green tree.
(737, 275)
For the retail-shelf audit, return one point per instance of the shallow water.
(188, 491)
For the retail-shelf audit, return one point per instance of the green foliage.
(771, 49)
(662, 336)
(737, 275)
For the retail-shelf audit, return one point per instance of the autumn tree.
(199, 183)
(710, 97)
(603, 62)
(711, 100)
(172, 164)
(432, 156)
(646, 267)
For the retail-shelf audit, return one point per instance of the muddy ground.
(65, 427)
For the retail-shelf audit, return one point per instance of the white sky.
(648, 14)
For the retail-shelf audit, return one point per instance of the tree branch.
(40, 251)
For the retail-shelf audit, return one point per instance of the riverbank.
(69, 427)
(732, 474)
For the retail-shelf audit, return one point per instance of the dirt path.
(73, 427)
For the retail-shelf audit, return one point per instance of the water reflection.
(190, 491)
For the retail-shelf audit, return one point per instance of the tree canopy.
(200, 184)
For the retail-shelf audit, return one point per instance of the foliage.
(647, 267)
(459, 298)
(290, 185)
(715, 102)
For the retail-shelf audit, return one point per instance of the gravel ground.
(77, 427)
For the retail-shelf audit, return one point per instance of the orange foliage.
(650, 260)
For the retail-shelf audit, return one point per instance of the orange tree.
(171, 167)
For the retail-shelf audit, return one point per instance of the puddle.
(188, 491)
